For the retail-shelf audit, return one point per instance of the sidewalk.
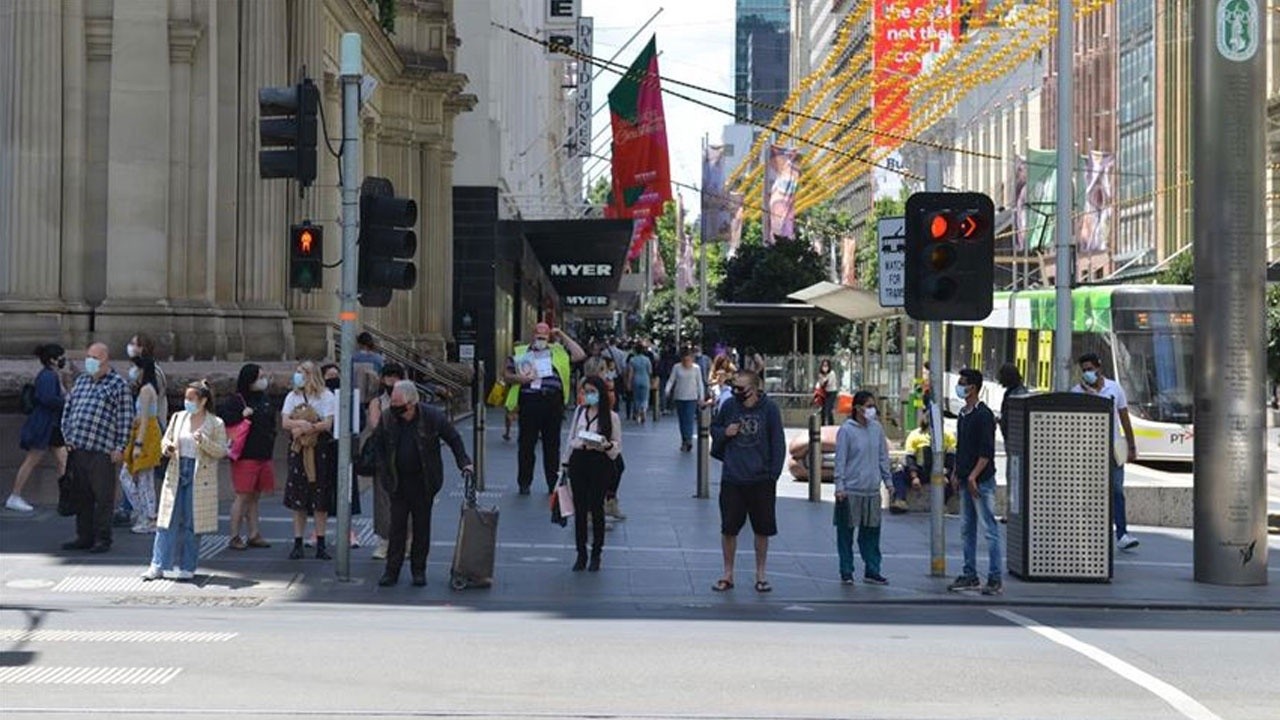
(667, 553)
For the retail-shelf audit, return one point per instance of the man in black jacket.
(407, 436)
(975, 480)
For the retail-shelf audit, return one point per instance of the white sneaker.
(310, 541)
(179, 575)
(17, 504)
(381, 552)
(143, 527)
(1127, 542)
(152, 573)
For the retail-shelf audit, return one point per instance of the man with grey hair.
(407, 437)
(96, 422)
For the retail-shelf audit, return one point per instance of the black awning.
(585, 259)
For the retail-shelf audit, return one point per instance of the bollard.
(477, 424)
(704, 453)
(815, 457)
(655, 409)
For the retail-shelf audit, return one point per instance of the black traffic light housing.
(287, 124)
(386, 240)
(306, 256)
(950, 256)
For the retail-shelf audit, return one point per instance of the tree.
(759, 274)
(1181, 270)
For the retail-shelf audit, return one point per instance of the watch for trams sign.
(1237, 29)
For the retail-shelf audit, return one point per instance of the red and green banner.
(641, 168)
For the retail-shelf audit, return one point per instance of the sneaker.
(993, 587)
(180, 575)
(1127, 542)
(380, 553)
(965, 582)
(152, 573)
(875, 580)
(898, 507)
(17, 504)
(143, 528)
(612, 510)
(355, 541)
(846, 578)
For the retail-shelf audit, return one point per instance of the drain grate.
(189, 601)
(106, 584)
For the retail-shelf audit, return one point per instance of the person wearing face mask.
(391, 374)
(407, 436)
(591, 464)
(975, 479)
(142, 346)
(41, 431)
(538, 375)
(142, 454)
(308, 415)
(1093, 382)
(96, 423)
(862, 466)
(196, 440)
(917, 464)
(253, 472)
(333, 381)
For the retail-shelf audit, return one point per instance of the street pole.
(937, 374)
(351, 74)
(702, 237)
(679, 286)
(1230, 484)
(1062, 279)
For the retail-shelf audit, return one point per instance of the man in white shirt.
(1093, 382)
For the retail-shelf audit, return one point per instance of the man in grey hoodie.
(862, 465)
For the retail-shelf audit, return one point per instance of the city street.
(644, 638)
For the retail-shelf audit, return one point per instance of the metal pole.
(702, 242)
(937, 376)
(1230, 485)
(703, 490)
(478, 425)
(676, 304)
(815, 457)
(352, 71)
(1062, 220)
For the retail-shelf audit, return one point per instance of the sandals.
(722, 585)
(763, 586)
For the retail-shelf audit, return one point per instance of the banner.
(849, 261)
(781, 179)
(717, 217)
(735, 226)
(1095, 222)
(641, 167)
(904, 32)
(657, 266)
(1038, 204)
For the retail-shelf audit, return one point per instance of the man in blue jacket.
(747, 438)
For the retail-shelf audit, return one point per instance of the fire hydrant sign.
(892, 244)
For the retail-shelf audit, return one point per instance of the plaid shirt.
(99, 413)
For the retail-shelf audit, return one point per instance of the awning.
(584, 258)
(756, 314)
(842, 301)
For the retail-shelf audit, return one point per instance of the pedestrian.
(391, 374)
(407, 436)
(1011, 380)
(862, 466)
(753, 361)
(1094, 382)
(975, 468)
(640, 380)
(253, 472)
(333, 382)
(748, 438)
(917, 464)
(666, 362)
(96, 423)
(367, 352)
(197, 439)
(828, 391)
(538, 375)
(703, 362)
(42, 430)
(142, 345)
(142, 454)
(685, 386)
(609, 375)
(308, 415)
(595, 444)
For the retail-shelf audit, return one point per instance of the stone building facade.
(129, 190)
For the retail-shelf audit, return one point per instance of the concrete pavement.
(667, 553)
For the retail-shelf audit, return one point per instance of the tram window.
(961, 347)
(996, 350)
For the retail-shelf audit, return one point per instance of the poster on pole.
(892, 243)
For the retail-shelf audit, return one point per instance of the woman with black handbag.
(595, 442)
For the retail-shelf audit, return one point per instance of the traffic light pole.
(1063, 219)
(352, 71)
(937, 374)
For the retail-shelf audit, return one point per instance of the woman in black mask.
(42, 429)
(252, 471)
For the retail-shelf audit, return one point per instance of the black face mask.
(400, 411)
(333, 384)
(386, 389)
(739, 393)
(62, 363)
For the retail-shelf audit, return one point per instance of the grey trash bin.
(1059, 482)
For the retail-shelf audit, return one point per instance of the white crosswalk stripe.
(107, 636)
(106, 584)
(364, 532)
(62, 675)
(211, 545)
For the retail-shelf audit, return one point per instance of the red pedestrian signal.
(950, 256)
(306, 256)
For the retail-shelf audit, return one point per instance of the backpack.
(27, 399)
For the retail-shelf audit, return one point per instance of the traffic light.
(306, 256)
(386, 239)
(950, 256)
(287, 120)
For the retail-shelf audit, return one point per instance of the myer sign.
(586, 300)
(581, 270)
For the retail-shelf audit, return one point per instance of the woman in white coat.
(197, 439)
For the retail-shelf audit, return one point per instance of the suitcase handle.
(469, 488)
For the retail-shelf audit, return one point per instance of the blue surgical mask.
(190, 406)
(92, 365)
(962, 392)
(134, 372)
(299, 380)
(869, 414)
(592, 399)
(1090, 376)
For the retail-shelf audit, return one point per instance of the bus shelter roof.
(851, 304)
(762, 313)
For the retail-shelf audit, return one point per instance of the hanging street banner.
(717, 215)
(641, 165)
(905, 31)
(1095, 222)
(781, 180)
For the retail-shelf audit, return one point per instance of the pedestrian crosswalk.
(108, 636)
(66, 675)
(111, 584)
(94, 674)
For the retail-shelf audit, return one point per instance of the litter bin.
(1059, 483)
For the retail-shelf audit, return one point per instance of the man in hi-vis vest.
(538, 375)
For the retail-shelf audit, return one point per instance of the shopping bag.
(497, 395)
(236, 436)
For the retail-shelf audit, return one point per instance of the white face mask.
(133, 350)
(869, 414)
(260, 384)
(134, 372)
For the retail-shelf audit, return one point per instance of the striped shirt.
(99, 413)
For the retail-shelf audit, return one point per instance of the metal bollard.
(655, 408)
(704, 453)
(477, 424)
(815, 457)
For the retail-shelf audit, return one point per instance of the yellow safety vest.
(559, 361)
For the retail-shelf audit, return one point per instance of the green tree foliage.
(386, 15)
(598, 193)
(1180, 271)
(658, 321)
(759, 274)
(1273, 332)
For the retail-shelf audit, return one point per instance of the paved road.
(261, 636)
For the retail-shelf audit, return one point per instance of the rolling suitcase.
(473, 553)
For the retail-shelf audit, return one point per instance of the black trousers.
(590, 474)
(412, 498)
(96, 476)
(541, 415)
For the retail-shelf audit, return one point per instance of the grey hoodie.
(862, 458)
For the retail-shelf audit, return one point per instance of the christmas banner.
(641, 167)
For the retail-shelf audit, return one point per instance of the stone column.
(30, 163)
(74, 158)
(433, 273)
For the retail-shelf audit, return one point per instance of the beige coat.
(205, 488)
